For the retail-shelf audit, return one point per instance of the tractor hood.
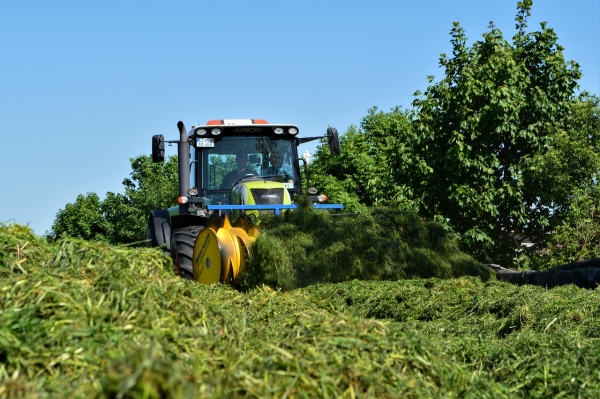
(260, 192)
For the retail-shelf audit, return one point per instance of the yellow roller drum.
(221, 253)
(207, 258)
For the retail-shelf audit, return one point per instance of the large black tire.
(150, 240)
(182, 250)
(158, 230)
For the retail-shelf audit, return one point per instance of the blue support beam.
(274, 207)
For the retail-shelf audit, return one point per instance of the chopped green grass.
(466, 306)
(81, 319)
(307, 247)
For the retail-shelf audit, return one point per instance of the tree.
(151, 186)
(485, 126)
(572, 159)
(121, 218)
(496, 148)
(377, 165)
(82, 219)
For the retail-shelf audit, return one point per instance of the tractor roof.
(216, 127)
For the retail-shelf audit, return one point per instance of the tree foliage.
(499, 148)
(82, 219)
(376, 166)
(121, 218)
(576, 235)
(486, 126)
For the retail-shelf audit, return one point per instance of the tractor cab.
(237, 162)
(245, 162)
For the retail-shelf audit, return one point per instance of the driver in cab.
(242, 170)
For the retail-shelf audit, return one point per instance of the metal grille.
(267, 196)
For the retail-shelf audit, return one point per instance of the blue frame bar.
(275, 207)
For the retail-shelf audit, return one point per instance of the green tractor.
(229, 170)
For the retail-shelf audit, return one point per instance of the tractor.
(231, 171)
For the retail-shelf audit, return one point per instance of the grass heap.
(80, 319)
(538, 342)
(307, 247)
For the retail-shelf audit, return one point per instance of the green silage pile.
(307, 247)
(80, 319)
(539, 342)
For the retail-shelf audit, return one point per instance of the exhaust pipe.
(183, 156)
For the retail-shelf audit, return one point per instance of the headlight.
(216, 131)
(201, 132)
(293, 130)
(193, 191)
(278, 130)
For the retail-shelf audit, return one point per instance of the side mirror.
(158, 148)
(333, 140)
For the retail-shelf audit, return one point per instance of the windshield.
(231, 158)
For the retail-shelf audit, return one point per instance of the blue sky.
(84, 85)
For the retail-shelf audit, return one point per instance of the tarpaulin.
(584, 274)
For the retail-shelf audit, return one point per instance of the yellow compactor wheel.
(221, 252)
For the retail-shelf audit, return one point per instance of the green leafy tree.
(565, 172)
(151, 186)
(377, 164)
(499, 149)
(83, 219)
(576, 238)
(121, 218)
(484, 128)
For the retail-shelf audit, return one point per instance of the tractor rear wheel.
(182, 250)
(150, 240)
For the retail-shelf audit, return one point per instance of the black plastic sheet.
(584, 274)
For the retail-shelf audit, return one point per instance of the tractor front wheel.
(182, 250)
